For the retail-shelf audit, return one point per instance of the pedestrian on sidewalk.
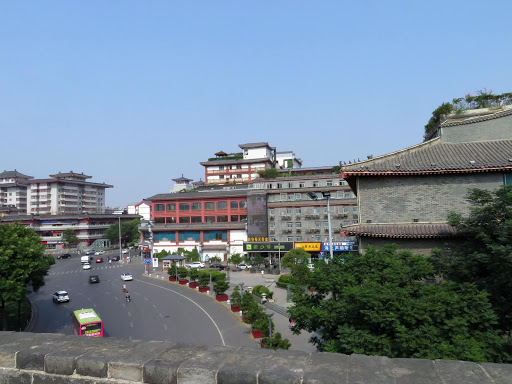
(290, 320)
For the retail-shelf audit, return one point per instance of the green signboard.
(268, 246)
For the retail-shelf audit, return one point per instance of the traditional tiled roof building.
(405, 196)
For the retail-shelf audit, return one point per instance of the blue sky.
(136, 93)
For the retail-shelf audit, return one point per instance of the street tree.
(379, 304)
(297, 260)
(236, 259)
(129, 232)
(484, 255)
(23, 263)
(69, 237)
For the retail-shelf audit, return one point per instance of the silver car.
(60, 297)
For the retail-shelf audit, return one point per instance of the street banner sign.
(268, 246)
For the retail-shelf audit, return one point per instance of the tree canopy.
(129, 232)
(69, 237)
(484, 255)
(379, 304)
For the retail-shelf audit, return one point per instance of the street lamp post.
(120, 250)
(227, 261)
(269, 314)
(211, 287)
(241, 288)
(176, 269)
(326, 196)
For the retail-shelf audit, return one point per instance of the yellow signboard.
(312, 247)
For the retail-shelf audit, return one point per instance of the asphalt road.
(158, 310)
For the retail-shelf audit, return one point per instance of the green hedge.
(215, 274)
(284, 281)
(259, 289)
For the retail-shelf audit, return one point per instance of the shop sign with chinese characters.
(310, 247)
(268, 246)
(338, 246)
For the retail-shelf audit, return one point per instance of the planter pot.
(204, 289)
(172, 278)
(256, 334)
(194, 284)
(262, 344)
(222, 297)
(246, 320)
(235, 308)
(183, 282)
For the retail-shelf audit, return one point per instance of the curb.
(211, 298)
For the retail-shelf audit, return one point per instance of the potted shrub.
(172, 273)
(248, 304)
(204, 281)
(259, 289)
(260, 326)
(193, 273)
(219, 287)
(182, 274)
(276, 342)
(236, 299)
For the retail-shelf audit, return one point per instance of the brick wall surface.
(425, 198)
(29, 358)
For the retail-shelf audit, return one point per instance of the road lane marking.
(192, 301)
(129, 314)
(165, 326)
(154, 306)
(131, 324)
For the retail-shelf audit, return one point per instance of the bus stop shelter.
(168, 261)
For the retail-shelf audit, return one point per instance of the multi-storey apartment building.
(294, 216)
(66, 193)
(13, 190)
(213, 221)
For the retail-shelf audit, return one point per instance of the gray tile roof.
(476, 117)
(255, 145)
(15, 173)
(401, 231)
(198, 195)
(70, 174)
(436, 157)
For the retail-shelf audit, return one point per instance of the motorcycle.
(124, 289)
(128, 299)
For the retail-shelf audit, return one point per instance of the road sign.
(148, 261)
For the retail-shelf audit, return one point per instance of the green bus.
(87, 323)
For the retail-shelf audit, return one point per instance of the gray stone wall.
(496, 129)
(29, 358)
(425, 198)
(416, 246)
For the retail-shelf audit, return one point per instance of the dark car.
(90, 252)
(64, 256)
(94, 279)
(218, 266)
(114, 258)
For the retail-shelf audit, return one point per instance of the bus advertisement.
(87, 323)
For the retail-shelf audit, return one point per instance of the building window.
(272, 226)
(317, 211)
(222, 219)
(189, 236)
(222, 205)
(339, 195)
(326, 224)
(318, 224)
(158, 220)
(316, 184)
(159, 207)
(209, 206)
(298, 224)
(283, 196)
(170, 220)
(184, 220)
(215, 235)
(196, 206)
(221, 176)
(299, 238)
(243, 204)
(234, 204)
(354, 209)
(170, 207)
(302, 185)
(346, 209)
(291, 196)
(221, 167)
(165, 236)
(196, 219)
(298, 211)
(343, 182)
(289, 225)
(318, 238)
(273, 239)
(234, 218)
(279, 185)
(289, 238)
(272, 212)
(507, 178)
(243, 217)
(290, 185)
(328, 183)
(184, 207)
(298, 196)
(239, 166)
(209, 219)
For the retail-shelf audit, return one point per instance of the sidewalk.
(280, 317)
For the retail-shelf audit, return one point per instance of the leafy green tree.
(484, 255)
(129, 232)
(236, 297)
(182, 272)
(378, 304)
(236, 259)
(443, 109)
(215, 259)
(220, 286)
(193, 255)
(276, 342)
(23, 264)
(69, 237)
(193, 273)
(297, 260)
(204, 280)
(270, 173)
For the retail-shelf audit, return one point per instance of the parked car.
(64, 256)
(60, 297)
(99, 260)
(97, 253)
(126, 276)
(90, 252)
(218, 266)
(86, 266)
(125, 251)
(94, 279)
(195, 264)
(243, 266)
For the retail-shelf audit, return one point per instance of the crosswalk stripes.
(80, 270)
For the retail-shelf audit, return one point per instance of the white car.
(126, 276)
(86, 266)
(97, 253)
(60, 297)
(125, 251)
(195, 264)
(243, 266)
